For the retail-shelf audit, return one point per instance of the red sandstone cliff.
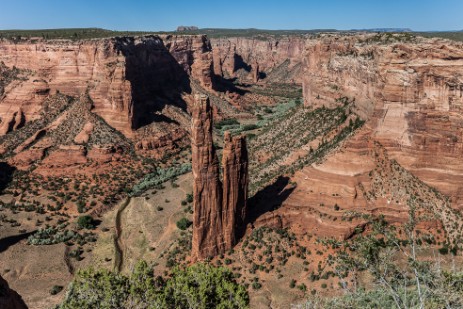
(207, 189)
(410, 92)
(409, 89)
(123, 76)
(235, 187)
(272, 59)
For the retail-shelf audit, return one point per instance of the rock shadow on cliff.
(222, 84)
(239, 64)
(6, 175)
(156, 77)
(268, 199)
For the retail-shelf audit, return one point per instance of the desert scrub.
(284, 135)
(213, 288)
(51, 236)
(158, 177)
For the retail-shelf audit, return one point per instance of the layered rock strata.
(409, 89)
(410, 92)
(208, 239)
(270, 58)
(219, 209)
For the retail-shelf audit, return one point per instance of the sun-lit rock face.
(121, 75)
(269, 58)
(9, 299)
(409, 89)
(207, 188)
(410, 92)
(235, 187)
(417, 73)
(219, 209)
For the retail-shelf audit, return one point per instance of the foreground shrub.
(199, 286)
(183, 224)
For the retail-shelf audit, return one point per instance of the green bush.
(183, 224)
(226, 122)
(197, 286)
(292, 284)
(249, 127)
(158, 177)
(56, 289)
(51, 236)
(86, 222)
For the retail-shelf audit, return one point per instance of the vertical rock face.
(219, 211)
(410, 91)
(255, 72)
(279, 58)
(235, 187)
(207, 189)
(9, 299)
(125, 77)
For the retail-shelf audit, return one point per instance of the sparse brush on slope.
(158, 177)
(403, 276)
(294, 131)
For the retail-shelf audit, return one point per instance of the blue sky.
(270, 14)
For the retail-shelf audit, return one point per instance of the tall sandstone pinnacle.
(219, 210)
(235, 187)
(207, 188)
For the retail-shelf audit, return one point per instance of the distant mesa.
(186, 28)
(385, 30)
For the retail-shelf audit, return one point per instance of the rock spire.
(219, 209)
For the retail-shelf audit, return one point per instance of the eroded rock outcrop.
(409, 92)
(12, 122)
(9, 299)
(219, 210)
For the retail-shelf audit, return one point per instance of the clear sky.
(154, 15)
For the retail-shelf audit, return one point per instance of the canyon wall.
(409, 89)
(219, 209)
(424, 73)
(124, 77)
(267, 58)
